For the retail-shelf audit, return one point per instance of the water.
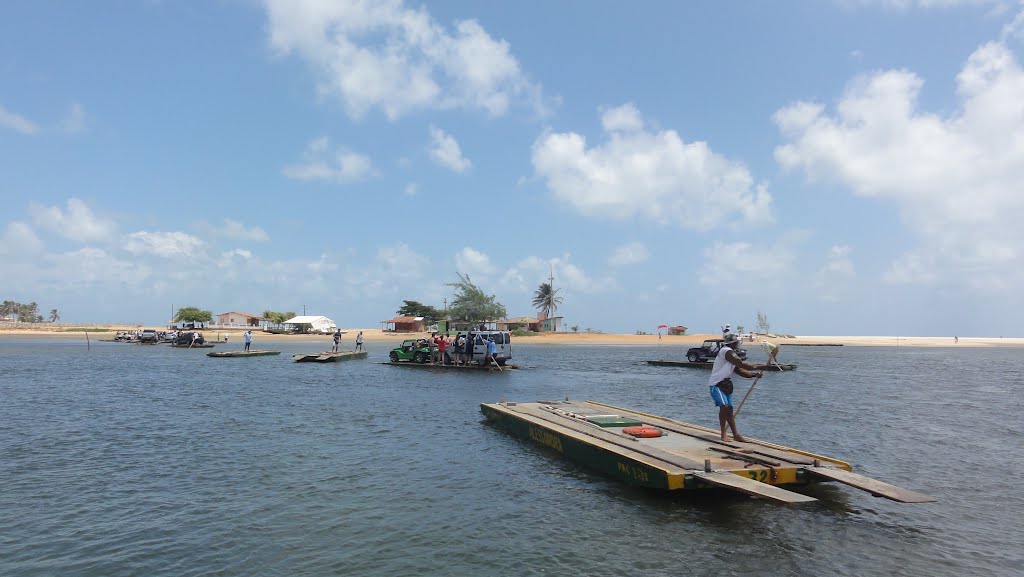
(136, 460)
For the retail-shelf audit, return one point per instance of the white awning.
(308, 320)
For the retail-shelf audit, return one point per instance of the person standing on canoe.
(727, 362)
(248, 340)
(359, 342)
(337, 340)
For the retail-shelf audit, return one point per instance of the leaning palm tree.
(54, 315)
(546, 298)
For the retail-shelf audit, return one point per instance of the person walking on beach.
(727, 363)
(248, 340)
(359, 342)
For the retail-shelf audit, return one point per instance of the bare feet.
(739, 438)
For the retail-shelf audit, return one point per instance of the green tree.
(54, 315)
(762, 323)
(417, 309)
(29, 313)
(8, 309)
(546, 298)
(471, 304)
(276, 317)
(193, 315)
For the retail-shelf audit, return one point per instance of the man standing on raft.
(726, 363)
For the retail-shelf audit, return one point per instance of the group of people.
(457, 350)
(337, 341)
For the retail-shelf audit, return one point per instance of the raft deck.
(328, 356)
(699, 365)
(469, 367)
(249, 353)
(682, 457)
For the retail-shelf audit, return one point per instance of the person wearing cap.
(727, 363)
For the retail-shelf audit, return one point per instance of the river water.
(153, 461)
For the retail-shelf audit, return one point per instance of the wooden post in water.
(88, 345)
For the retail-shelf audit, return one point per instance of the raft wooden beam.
(873, 486)
(728, 480)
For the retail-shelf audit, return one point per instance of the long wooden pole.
(750, 390)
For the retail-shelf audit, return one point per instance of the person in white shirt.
(727, 363)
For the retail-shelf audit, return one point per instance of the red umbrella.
(662, 326)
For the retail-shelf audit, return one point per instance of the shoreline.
(377, 335)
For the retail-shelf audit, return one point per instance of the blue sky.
(843, 167)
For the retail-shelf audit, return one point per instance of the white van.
(502, 340)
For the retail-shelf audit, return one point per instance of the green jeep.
(414, 350)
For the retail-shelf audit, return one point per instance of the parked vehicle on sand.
(148, 336)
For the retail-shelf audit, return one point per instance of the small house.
(404, 325)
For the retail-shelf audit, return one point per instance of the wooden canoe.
(328, 356)
(249, 353)
(697, 365)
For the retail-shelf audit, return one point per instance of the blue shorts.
(721, 399)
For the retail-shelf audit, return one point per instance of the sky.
(842, 167)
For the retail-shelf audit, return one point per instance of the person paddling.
(727, 362)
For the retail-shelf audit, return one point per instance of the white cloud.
(833, 279)
(625, 118)
(19, 241)
(528, 274)
(410, 189)
(163, 244)
(631, 253)
(77, 223)
(445, 151)
(743, 268)
(398, 59)
(318, 164)
(653, 176)
(955, 179)
(238, 231)
(75, 121)
(16, 122)
(473, 262)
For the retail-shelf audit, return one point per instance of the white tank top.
(722, 368)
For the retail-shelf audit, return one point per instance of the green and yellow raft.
(661, 453)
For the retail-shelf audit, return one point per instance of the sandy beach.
(371, 335)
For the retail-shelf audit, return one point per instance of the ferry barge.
(660, 453)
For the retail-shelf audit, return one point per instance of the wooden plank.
(873, 486)
(751, 487)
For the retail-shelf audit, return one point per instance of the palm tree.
(54, 315)
(546, 298)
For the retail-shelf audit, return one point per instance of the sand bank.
(376, 335)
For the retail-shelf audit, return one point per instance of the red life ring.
(644, 431)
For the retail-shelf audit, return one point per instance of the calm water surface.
(154, 461)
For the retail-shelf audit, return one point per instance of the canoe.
(660, 453)
(698, 365)
(250, 353)
(328, 356)
(202, 346)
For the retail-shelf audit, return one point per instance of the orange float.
(643, 431)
